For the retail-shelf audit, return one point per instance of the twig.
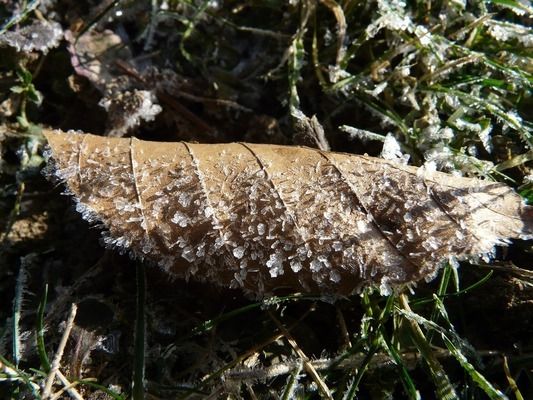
(411, 360)
(59, 353)
(343, 328)
(68, 387)
(255, 349)
(307, 364)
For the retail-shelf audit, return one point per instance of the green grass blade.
(445, 389)
(479, 379)
(140, 335)
(41, 348)
(407, 381)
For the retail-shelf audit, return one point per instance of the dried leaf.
(275, 218)
(39, 36)
(128, 109)
(93, 53)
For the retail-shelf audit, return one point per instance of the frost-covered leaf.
(272, 218)
(309, 131)
(39, 36)
(128, 109)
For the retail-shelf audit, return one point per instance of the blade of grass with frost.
(478, 378)
(473, 286)
(361, 134)
(18, 17)
(22, 278)
(407, 381)
(462, 344)
(387, 114)
(292, 384)
(14, 374)
(371, 338)
(516, 6)
(512, 119)
(441, 292)
(449, 273)
(352, 49)
(352, 390)
(476, 79)
(471, 101)
(511, 72)
(522, 76)
(445, 389)
(296, 57)
(422, 321)
(208, 325)
(41, 348)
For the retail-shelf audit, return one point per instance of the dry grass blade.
(306, 362)
(273, 218)
(47, 392)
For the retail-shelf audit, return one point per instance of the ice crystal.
(188, 254)
(180, 219)
(261, 229)
(275, 265)
(296, 265)
(392, 150)
(316, 265)
(238, 252)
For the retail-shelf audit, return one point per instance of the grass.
(449, 82)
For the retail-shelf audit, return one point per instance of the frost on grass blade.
(274, 218)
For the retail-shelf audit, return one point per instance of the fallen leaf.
(39, 36)
(272, 219)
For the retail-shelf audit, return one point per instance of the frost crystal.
(238, 252)
(185, 199)
(275, 265)
(334, 276)
(180, 219)
(296, 265)
(316, 265)
(392, 150)
(188, 254)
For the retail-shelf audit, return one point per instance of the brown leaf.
(39, 36)
(275, 218)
